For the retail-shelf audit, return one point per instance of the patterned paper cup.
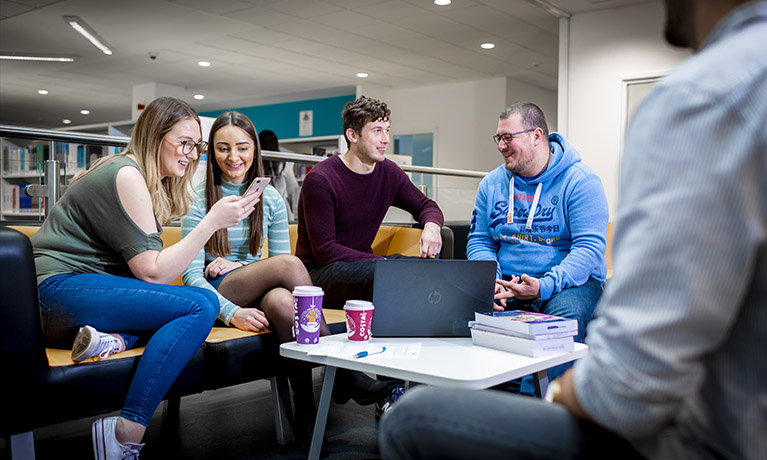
(359, 318)
(307, 311)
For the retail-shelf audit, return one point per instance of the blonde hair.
(170, 195)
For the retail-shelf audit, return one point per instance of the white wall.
(516, 91)
(606, 47)
(464, 117)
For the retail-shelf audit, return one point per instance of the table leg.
(322, 412)
(541, 381)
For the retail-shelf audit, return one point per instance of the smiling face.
(173, 161)
(519, 154)
(234, 150)
(369, 145)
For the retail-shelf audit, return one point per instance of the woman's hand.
(249, 319)
(220, 266)
(229, 210)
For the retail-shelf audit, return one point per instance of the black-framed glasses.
(188, 145)
(508, 137)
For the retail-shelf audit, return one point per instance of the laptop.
(430, 298)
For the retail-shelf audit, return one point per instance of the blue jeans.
(430, 422)
(178, 318)
(576, 302)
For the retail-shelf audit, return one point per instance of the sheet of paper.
(349, 349)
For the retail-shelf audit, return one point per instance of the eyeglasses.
(187, 146)
(508, 137)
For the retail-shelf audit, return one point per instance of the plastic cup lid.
(308, 291)
(358, 305)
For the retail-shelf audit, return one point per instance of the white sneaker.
(90, 342)
(105, 444)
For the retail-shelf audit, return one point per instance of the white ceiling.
(265, 51)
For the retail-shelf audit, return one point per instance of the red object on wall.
(141, 106)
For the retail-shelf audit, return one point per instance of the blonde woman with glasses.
(101, 265)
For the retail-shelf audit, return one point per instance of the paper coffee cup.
(359, 318)
(307, 313)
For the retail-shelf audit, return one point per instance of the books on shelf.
(526, 322)
(521, 345)
(525, 333)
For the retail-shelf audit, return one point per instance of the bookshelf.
(22, 163)
(311, 145)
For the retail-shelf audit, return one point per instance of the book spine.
(526, 347)
(556, 335)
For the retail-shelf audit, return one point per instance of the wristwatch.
(553, 391)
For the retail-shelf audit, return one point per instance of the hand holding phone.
(257, 186)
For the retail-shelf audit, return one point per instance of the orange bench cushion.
(59, 357)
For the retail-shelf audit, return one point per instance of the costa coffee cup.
(307, 311)
(359, 318)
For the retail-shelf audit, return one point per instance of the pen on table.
(362, 354)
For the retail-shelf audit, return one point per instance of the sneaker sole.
(80, 347)
(98, 436)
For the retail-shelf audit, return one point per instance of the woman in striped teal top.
(254, 293)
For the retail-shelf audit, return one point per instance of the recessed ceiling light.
(203, 64)
(42, 91)
(85, 112)
(362, 75)
(487, 46)
(199, 97)
(442, 2)
(66, 121)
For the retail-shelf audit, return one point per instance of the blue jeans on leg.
(576, 302)
(179, 318)
(430, 423)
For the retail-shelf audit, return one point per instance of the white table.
(443, 362)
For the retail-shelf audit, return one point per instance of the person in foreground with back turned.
(100, 264)
(676, 366)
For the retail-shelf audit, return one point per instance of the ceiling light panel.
(86, 31)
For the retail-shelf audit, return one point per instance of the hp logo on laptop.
(434, 297)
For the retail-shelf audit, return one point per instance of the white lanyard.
(531, 214)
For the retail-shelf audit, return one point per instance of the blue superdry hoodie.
(564, 242)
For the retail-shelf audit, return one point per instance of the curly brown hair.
(361, 111)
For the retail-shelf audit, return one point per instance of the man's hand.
(520, 288)
(567, 396)
(431, 240)
(249, 319)
(499, 289)
(220, 266)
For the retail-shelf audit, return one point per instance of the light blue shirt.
(275, 228)
(677, 361)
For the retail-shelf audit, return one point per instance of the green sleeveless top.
(89, 231)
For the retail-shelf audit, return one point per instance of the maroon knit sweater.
(340, 211)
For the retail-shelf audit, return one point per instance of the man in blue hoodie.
(549, 243)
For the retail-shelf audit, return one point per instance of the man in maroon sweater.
(344, 200)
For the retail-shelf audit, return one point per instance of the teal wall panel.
(283, 118)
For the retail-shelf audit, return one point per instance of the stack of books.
(525, 333)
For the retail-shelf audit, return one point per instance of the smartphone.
(257, 186)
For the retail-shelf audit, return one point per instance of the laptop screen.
(430, 298)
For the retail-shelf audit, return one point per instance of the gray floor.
(234, 423)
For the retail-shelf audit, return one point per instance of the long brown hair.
(170, 195)
(218, 244)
